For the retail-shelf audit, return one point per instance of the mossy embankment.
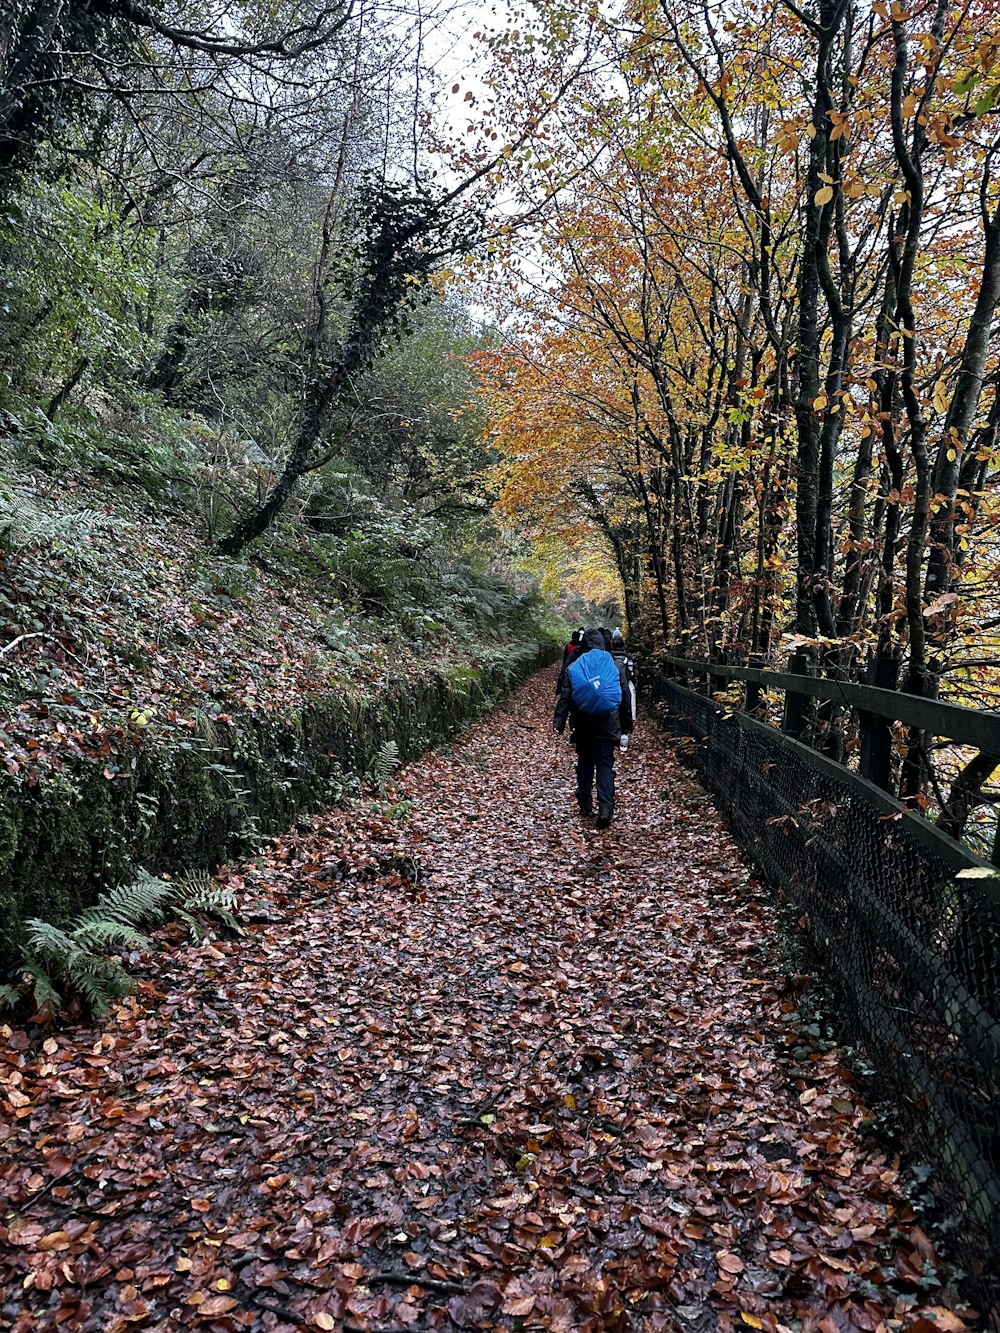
(164, 707)
(194, 804)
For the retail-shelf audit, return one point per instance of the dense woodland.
(686, 311)
(247, 547)
(240, 456)
(759, 329)
(211, 219)
(756, 345)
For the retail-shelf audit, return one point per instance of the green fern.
(45, 993)
(194, 884)
(23, 522)
(101, 980)
(77, 960)
(198, 893)
(48, 941)
(146, 901)
(8, 997)
(99, 936)
(383, 766)
(196, 932)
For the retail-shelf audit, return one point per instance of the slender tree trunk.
(910, 161)
(811, 500)
(79, 370)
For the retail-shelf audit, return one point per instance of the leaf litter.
(484, 1068)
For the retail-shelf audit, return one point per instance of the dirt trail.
(484, 1068)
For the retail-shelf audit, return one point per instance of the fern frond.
(50, 941)
(194, 930)
(194, 885)
(77, 959)
(99, 981)
(102, 935)
(44, 991)
(199, 893)
(210, 900)
(24, 522)
(8, 997)
(145, 900)
(384, 765)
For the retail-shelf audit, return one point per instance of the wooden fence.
(905, 917)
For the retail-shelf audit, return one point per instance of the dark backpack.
(623, 660)
(594, 682)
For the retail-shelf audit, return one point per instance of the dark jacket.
(591, 726)
(570, 653)
(626, 711)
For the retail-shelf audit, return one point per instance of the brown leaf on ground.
(488, 1068)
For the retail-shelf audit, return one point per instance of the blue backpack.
(595, 683)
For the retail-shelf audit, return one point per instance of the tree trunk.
(64, 392)
(965, 789)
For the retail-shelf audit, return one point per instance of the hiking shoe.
(585, 813)
(603, 816)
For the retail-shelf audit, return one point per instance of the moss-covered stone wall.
(196, 804)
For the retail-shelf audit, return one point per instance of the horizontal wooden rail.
(965, 726)
(951, 852)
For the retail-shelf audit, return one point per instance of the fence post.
(751, 699)
(876, 732)
(795, 704)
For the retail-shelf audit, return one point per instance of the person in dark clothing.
(595, 735)
(626, 710)
(570, 652)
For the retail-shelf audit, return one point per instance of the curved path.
(482, 1068)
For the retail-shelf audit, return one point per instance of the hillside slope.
(158, 699)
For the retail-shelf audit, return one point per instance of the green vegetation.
(247, 551)
(79, 966)
(166, 703)
(80, 958)
(168, 706)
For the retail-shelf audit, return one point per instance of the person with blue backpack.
(592, 695)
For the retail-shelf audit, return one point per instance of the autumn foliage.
(753, 344)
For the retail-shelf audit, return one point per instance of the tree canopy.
(755, 345)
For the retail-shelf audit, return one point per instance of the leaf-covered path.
(485, 1068)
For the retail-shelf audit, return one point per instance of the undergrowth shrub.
(80, 965)
(197, 893)
(24, 522)
(79, 962)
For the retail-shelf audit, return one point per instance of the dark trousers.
(595, 754)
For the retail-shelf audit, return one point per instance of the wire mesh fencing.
(911, 943)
